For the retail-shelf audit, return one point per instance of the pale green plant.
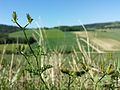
(32, 70)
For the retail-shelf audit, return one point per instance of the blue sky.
(60, 12)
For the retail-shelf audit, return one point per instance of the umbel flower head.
(29, 18)
(14, 17)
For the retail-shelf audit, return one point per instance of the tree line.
(5, 39)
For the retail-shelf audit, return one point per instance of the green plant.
(32, 69)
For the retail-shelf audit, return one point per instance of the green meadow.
(54, 38)
(62, 60)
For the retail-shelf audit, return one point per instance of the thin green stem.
(23, 29)
(26, 25)
(30, 47)
(69, 82)
(26, 59)
(44, 82)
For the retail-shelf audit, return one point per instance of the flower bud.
(110, 69)
(29, 18)
(14, 16)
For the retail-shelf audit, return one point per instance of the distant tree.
(46, 28)
(8, 29)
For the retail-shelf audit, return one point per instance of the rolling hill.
(103, 35)
(8, 28)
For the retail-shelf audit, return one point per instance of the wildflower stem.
(23, 29)
(69, 82)
(44, 82)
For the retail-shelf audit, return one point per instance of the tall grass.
(58, 70)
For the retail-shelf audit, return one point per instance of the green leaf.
(29, 18)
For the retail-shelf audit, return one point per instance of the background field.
(63, 51)
(105, 39)
(54, 39)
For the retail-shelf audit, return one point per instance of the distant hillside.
(8, 28)
(104, 25)
(91, 27)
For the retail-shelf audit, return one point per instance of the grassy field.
(10, 48)
(105, 39)
(110, 35)
(77, 70)
(102, 33)
(54, 39)
(53, 33)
